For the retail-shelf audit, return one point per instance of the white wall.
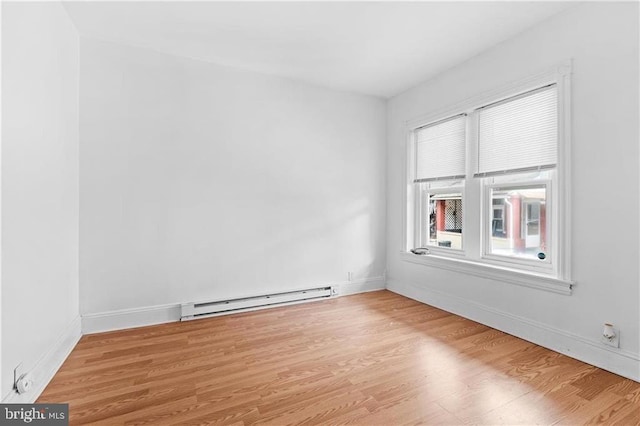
(602, 39)
(199, 181)
(39, 184)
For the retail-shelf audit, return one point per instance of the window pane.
(443, 220)
(518, 222)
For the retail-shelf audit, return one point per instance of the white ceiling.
(375, 48)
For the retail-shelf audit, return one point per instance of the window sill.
(483, 270)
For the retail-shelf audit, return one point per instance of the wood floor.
(368, 359)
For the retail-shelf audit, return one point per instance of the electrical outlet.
(614, 341)
(17, 373)
(349, 276)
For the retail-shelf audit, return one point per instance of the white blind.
(440, 150)
(519, 134)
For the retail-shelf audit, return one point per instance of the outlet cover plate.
(615, 341)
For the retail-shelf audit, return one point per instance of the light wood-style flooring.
(369, 359)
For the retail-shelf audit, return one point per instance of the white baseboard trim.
(361, 286)
(591, 351)
(130, 318)
(47, 366)
(151, 315)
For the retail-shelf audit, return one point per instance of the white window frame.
(474, 260)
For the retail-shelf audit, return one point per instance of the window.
(517, 155)
(486, 185)
(440, 166)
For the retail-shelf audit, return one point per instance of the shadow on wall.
(183, 264)
(311, 251)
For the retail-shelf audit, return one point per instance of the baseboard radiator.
(191, 311)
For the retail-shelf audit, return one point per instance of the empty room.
(284, 213)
